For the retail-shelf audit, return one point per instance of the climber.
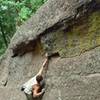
(34, 87)
(38, 89)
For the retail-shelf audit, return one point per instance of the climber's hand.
(46, 54)
(43, 91)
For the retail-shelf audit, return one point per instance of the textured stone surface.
(76, 78)
(81, 37)
(67, 19)
(52, 12)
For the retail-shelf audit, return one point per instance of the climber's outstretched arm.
(45, 63)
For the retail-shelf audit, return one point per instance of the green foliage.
(7, 23)
(24, 13)
(13, 13)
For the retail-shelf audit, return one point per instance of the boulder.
(68, 28)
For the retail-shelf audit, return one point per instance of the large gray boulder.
(75, 77)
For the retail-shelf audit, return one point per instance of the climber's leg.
(29, 96)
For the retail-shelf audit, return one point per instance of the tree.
(13, 13)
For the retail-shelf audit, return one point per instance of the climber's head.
(39, 78)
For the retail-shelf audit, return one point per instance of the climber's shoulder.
(36, 87)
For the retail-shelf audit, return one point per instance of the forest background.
(12, 14)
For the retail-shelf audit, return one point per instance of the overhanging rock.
(53, 15)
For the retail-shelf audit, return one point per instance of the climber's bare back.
(36, 90)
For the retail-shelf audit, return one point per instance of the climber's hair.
(39, 78)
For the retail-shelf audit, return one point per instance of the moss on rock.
(82, 37)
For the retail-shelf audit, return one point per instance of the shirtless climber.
(34, 87)
(38, 89)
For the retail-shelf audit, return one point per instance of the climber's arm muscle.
(42, 68)
(35, 90)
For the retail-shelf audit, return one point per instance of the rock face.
(52, 16)
(68, 28)
(81, 37)
(76, 78)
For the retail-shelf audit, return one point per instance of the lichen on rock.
(81, 37)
